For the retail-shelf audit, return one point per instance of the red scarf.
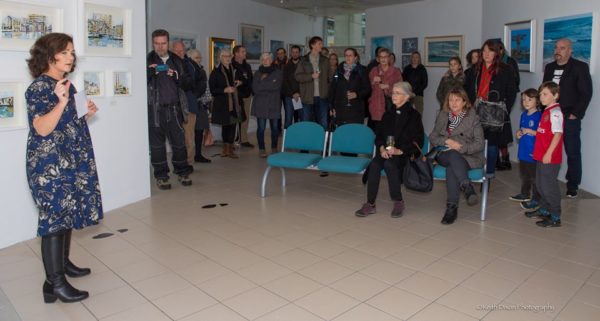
(484, 82)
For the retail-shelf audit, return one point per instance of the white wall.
(119, 131)
(497, 13)
(423, 19)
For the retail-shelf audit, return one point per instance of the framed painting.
(405, 61)
(438, 50)
(23, 24)
(276, 44)
(93, 83)
(385, 42)
(252, 38)
(577, 28)
(106, 30)
(410, 45)
(302, 48)
(519, 40)
(215, 46)
(13, 112)
(189, 40)
(121, 83)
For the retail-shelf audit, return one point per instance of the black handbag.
(418, 173)
(492, 115)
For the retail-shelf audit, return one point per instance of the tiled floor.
(301, 255)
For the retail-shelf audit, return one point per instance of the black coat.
(502, 88)
(575, 87)
(405, 124)
(358, 82)
(245, 76)
(290, 84)
(416, 77)
(220, 108)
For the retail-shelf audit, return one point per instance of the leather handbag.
(418, 173)
(492, 115)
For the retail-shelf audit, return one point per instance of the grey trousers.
(457, 173)
(546, 182)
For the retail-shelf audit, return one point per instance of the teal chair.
(349, 138)
(476, 175)
(302, 136)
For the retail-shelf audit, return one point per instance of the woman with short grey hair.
(266, 104)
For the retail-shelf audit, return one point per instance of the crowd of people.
(61, 168)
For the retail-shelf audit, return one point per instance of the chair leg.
(263, 185)
(283, 180)
(484, 196)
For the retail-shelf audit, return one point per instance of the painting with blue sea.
(577, 28)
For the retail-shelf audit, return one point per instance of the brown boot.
(232, 153)
(225, 151)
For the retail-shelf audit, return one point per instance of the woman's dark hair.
(459, 92)
(532, 93)
(496, 47)
(353, 51)
(551, 86)
(43, 51)
(470, 55)
(314, 40)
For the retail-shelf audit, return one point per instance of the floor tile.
(360, 286)
(144, 312)
(426, 286)
(365, 312)
(388, 272)
(217, 312)
(388, 301)
(184, 303)
(263, 272)
(161, 285)
(436, 311)
(325, 272)
(114, 301)
(255, 303)
(226, 286)
(467, 301)
(292, 286)
(327, 303)
(290, 312)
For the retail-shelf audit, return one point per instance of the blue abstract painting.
(520, 45)
(577, 28)
(385, 42)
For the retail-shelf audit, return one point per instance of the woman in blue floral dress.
(61, 169)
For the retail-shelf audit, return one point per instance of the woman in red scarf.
(493, 81)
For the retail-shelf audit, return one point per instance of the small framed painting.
(189, 40)
(215, 46)
(519, 40)
(13, 112)
(93, 83)
(23, 24)
(410, 45)
(121, 83)
(251, 37)
(276, 44)
(106, 30)
(439, 50)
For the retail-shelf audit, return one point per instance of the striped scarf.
(454, 120)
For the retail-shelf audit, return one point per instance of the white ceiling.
(330, 7)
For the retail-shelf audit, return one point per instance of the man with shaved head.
(573, 77)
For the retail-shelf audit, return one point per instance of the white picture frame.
(22, 24)
(13, 108)
(105, 30)
(93, 83)
(121, 83)
(520, 43)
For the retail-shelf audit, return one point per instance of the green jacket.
(304, 77)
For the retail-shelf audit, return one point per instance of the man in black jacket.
(573, 77)
(244, 90)
(167, 108)
(291, 87)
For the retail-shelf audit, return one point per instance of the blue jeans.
(260, 132)
(492, 156)
(572, 141)
(289, 112)
(317, 111)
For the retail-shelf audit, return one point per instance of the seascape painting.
(438, 50)
(251, 37)
(121, 83)
(410, 45)
(578, 28)
(385, 42)
(93, 83)
(7, 104)
(519, 40)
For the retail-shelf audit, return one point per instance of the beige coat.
(468, 133)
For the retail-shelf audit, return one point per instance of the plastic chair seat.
(475, 175)
(293, 160)
(343, 164)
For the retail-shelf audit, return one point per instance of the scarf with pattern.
(454, 120)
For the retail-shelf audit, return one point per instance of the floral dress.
(61, 169)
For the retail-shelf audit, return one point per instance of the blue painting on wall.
(577, 28)
(410, 45)
(385, 42)
(276, 44)
(520, 48)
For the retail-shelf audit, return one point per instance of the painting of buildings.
(27, 27)
(104, 30)
(122, 83)
(7, 104)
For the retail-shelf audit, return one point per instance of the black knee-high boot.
(71, 269)
(56, 285)
(199, 140)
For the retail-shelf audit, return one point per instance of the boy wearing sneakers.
(547, 151)
(530, 119)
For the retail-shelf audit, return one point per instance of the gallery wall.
(498, 13)
(427, 18)
(119, 129)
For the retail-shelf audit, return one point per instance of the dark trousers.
(228, 133)
(457, 173)
(527, 171)
(546, 181)
(198, 141)
(291, 115)
(260, 132)
(318, 112)
(170, 128)
(572, 142)
(492, 157)
(393, 168)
